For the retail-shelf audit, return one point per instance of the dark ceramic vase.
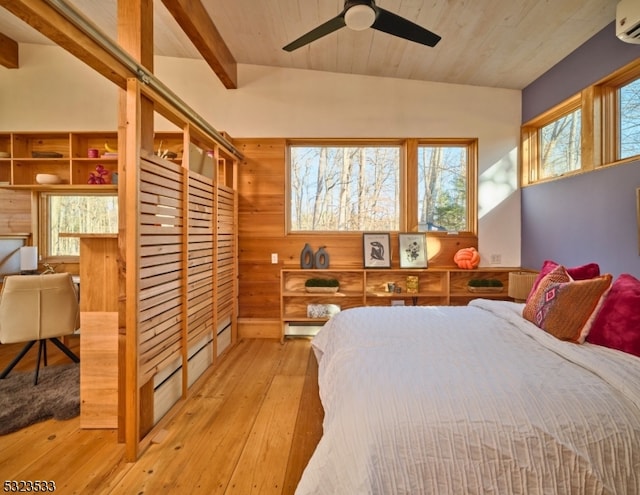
(306, 257)
(321, 258)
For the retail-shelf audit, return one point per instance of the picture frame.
(376, 250)
(412, 250)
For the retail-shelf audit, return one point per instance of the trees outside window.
(560, 145)
(344, 188)
(416, 184)
(629, 115)
(598, 127)
(442, 188)
(75, 213)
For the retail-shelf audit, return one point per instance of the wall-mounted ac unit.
(628, 21)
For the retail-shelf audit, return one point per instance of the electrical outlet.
(274, 258)
(496, 259)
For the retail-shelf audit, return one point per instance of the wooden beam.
(8, 52)
(199, 27)
(56, 27)
(135, 36)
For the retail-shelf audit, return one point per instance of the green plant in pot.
(321, 285)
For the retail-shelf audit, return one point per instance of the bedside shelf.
(366, 287)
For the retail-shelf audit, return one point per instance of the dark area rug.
(57, 395)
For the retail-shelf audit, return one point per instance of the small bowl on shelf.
(5, 154)
(47, 179)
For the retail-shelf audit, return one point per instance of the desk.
(99, 330)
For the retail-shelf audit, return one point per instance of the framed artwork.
(376, 250)
(413, 250)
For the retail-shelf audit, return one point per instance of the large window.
(442, 188)
(344, 188)
(74, 213)
(424, 185)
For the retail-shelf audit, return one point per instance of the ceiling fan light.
(359, 17)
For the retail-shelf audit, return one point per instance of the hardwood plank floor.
(250, 428)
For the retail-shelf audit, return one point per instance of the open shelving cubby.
(65, 154)
(446, 286)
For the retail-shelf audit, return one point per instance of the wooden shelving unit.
(23, 155)
(65, 154)
(370, 287)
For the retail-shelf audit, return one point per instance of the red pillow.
(583, 272)
(617, 324)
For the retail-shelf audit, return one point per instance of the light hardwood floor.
(250, 429)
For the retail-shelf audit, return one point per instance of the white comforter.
(463, 400)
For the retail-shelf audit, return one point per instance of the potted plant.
(321, 285)
(485, 285)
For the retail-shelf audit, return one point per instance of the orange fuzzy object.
(467, 258)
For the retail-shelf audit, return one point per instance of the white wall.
(53, 91)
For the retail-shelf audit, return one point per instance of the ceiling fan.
(362, 14)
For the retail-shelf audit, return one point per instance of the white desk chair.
(37, 308)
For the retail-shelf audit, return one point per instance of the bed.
(474, 399)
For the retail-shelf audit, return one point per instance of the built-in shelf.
(370, 287)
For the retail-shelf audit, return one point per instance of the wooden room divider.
(179, 270)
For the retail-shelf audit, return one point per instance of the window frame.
(43, 221)
(599, 139)
(472, 183)
(609, 96)
(408, 174)
(531, 136)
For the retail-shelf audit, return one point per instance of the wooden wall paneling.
(262, 230)
(16, 212)
(261, 187)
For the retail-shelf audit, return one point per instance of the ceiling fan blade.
(327, 28)
(390, 23)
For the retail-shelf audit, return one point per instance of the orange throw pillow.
(564, 307)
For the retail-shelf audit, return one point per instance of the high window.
(560, 145)
(629, 119)
(598, 127)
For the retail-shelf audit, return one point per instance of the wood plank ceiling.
(495, 43)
